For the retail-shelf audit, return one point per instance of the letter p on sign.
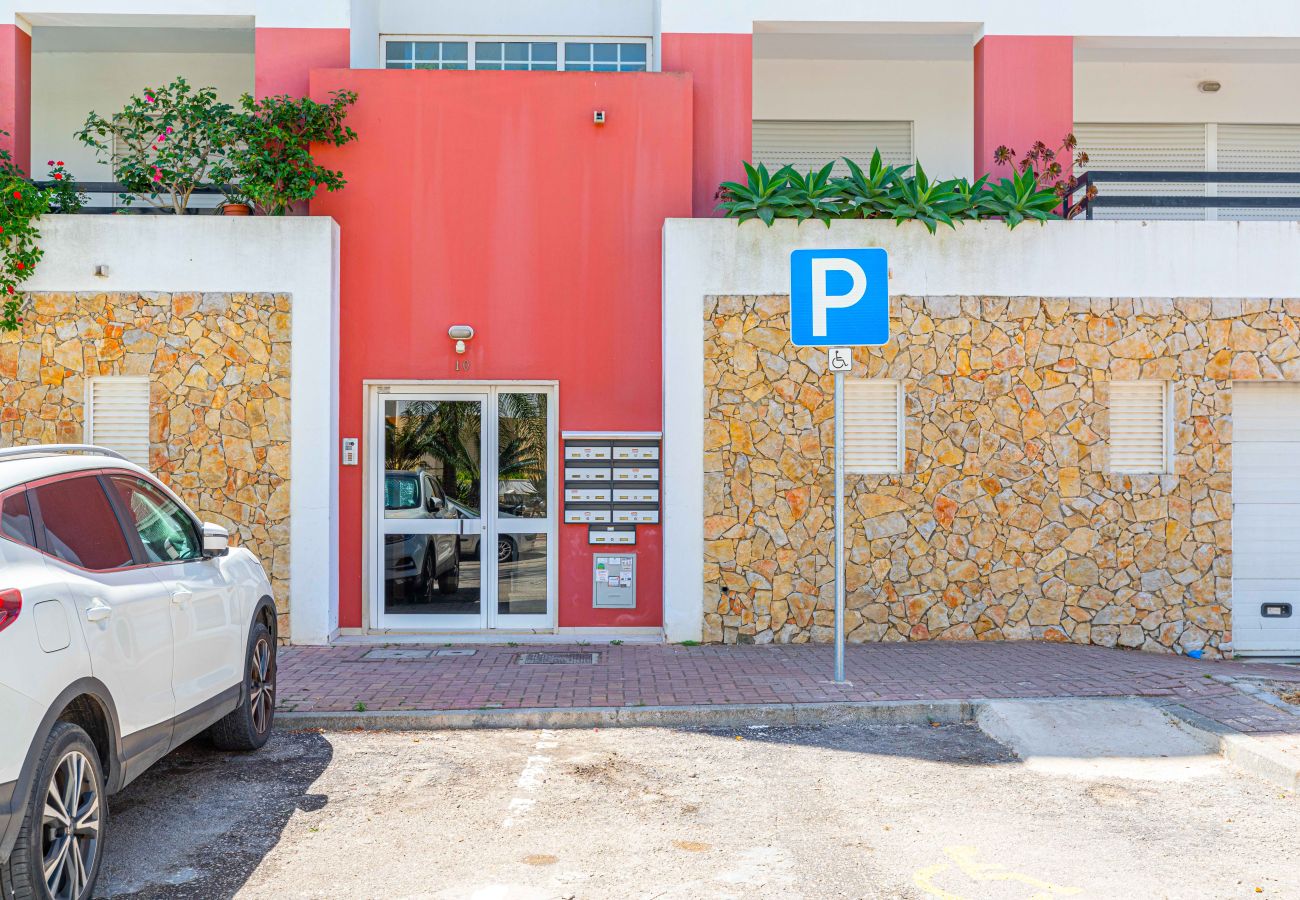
(839, 298)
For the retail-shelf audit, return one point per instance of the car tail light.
(11, 603)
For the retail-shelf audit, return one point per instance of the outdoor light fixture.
(460, 334)
(598, 117)
(1209, 87)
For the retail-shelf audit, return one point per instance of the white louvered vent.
(811, 144)
(117, 416)
(1259, 148)
(1139, 426)
(873, 426)
(1145, 147)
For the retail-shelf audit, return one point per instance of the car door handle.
(181, 596)
(98, 611)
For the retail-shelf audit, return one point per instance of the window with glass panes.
(516, 56)
(426, 55)
(563, 54)
(590, 56)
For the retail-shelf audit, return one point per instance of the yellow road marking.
(967, 864)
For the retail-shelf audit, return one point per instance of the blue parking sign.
(839, 298)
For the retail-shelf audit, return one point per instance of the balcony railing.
(104, 199)
(1166, 192)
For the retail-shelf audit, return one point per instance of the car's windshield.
(401, 492)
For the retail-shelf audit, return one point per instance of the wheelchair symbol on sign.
(839, 359)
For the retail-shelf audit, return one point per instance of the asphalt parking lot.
(831, 811)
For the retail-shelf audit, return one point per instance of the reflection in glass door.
(464, 532)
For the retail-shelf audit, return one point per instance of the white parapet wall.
(198, 254)
(712, 257)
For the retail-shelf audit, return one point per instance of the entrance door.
(1265, 518)
(464, 539)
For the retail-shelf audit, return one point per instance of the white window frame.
(88, 412)
(558, 40)
(1166, 428)
(900, 424)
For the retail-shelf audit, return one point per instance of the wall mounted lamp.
(460, 334)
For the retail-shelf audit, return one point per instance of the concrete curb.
(883, 712)
(1253, 755)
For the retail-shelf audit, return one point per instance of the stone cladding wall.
(1005, 522)
(218, 365)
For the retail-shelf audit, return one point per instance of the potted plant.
(165, 143)
(272, 160)
(237, 203)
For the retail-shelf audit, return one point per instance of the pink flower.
(148, 98)
(169, 129)
(50, 163)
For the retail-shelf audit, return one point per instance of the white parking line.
(530, 778)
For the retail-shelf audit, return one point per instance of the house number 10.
(461, 365)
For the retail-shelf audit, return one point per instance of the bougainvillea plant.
(273, 162)
(166, 142)
(1048, 169)
(21, 204)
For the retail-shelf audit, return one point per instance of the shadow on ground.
(199, 822)
(950, 744)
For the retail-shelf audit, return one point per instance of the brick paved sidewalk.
(323, 679)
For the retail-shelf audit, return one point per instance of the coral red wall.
(490, 199)
(722, 66)
(1024, 92)
(16, 94)
(284, 57)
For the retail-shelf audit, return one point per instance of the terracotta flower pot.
(236, 209)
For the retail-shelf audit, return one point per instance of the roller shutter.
(811, 144)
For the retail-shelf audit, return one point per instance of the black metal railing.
(104, 198)
(1114, 199)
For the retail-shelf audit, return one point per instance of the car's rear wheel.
(60, 843)
(249, 726)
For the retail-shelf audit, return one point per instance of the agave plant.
(814, 196)
(763, 195)
(974, 199)
(925, 201)
(1019, 197)
(871, 194)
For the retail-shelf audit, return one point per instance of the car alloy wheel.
(261, 685)
(505, 550)
(70, 827)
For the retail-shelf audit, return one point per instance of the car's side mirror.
(432, 504)
(216, 540)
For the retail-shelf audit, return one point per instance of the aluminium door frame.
(375, 391)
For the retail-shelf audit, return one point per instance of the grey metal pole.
(839, 527)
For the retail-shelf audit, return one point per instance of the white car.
(127, 627)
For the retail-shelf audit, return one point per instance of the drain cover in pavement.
(557, 658)
(395, 653)
(463, 651)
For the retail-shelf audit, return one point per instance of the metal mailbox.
(611, 483)
(637, 516)
(587, 451)
(643, 451)
(611, 534)
(586, 473)
(624, 494)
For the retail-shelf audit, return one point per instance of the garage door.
(1266, 518)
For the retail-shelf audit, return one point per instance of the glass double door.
(466, 509)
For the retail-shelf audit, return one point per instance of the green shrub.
(886, 192)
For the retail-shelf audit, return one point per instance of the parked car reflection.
(419, 567)
(509, 546)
